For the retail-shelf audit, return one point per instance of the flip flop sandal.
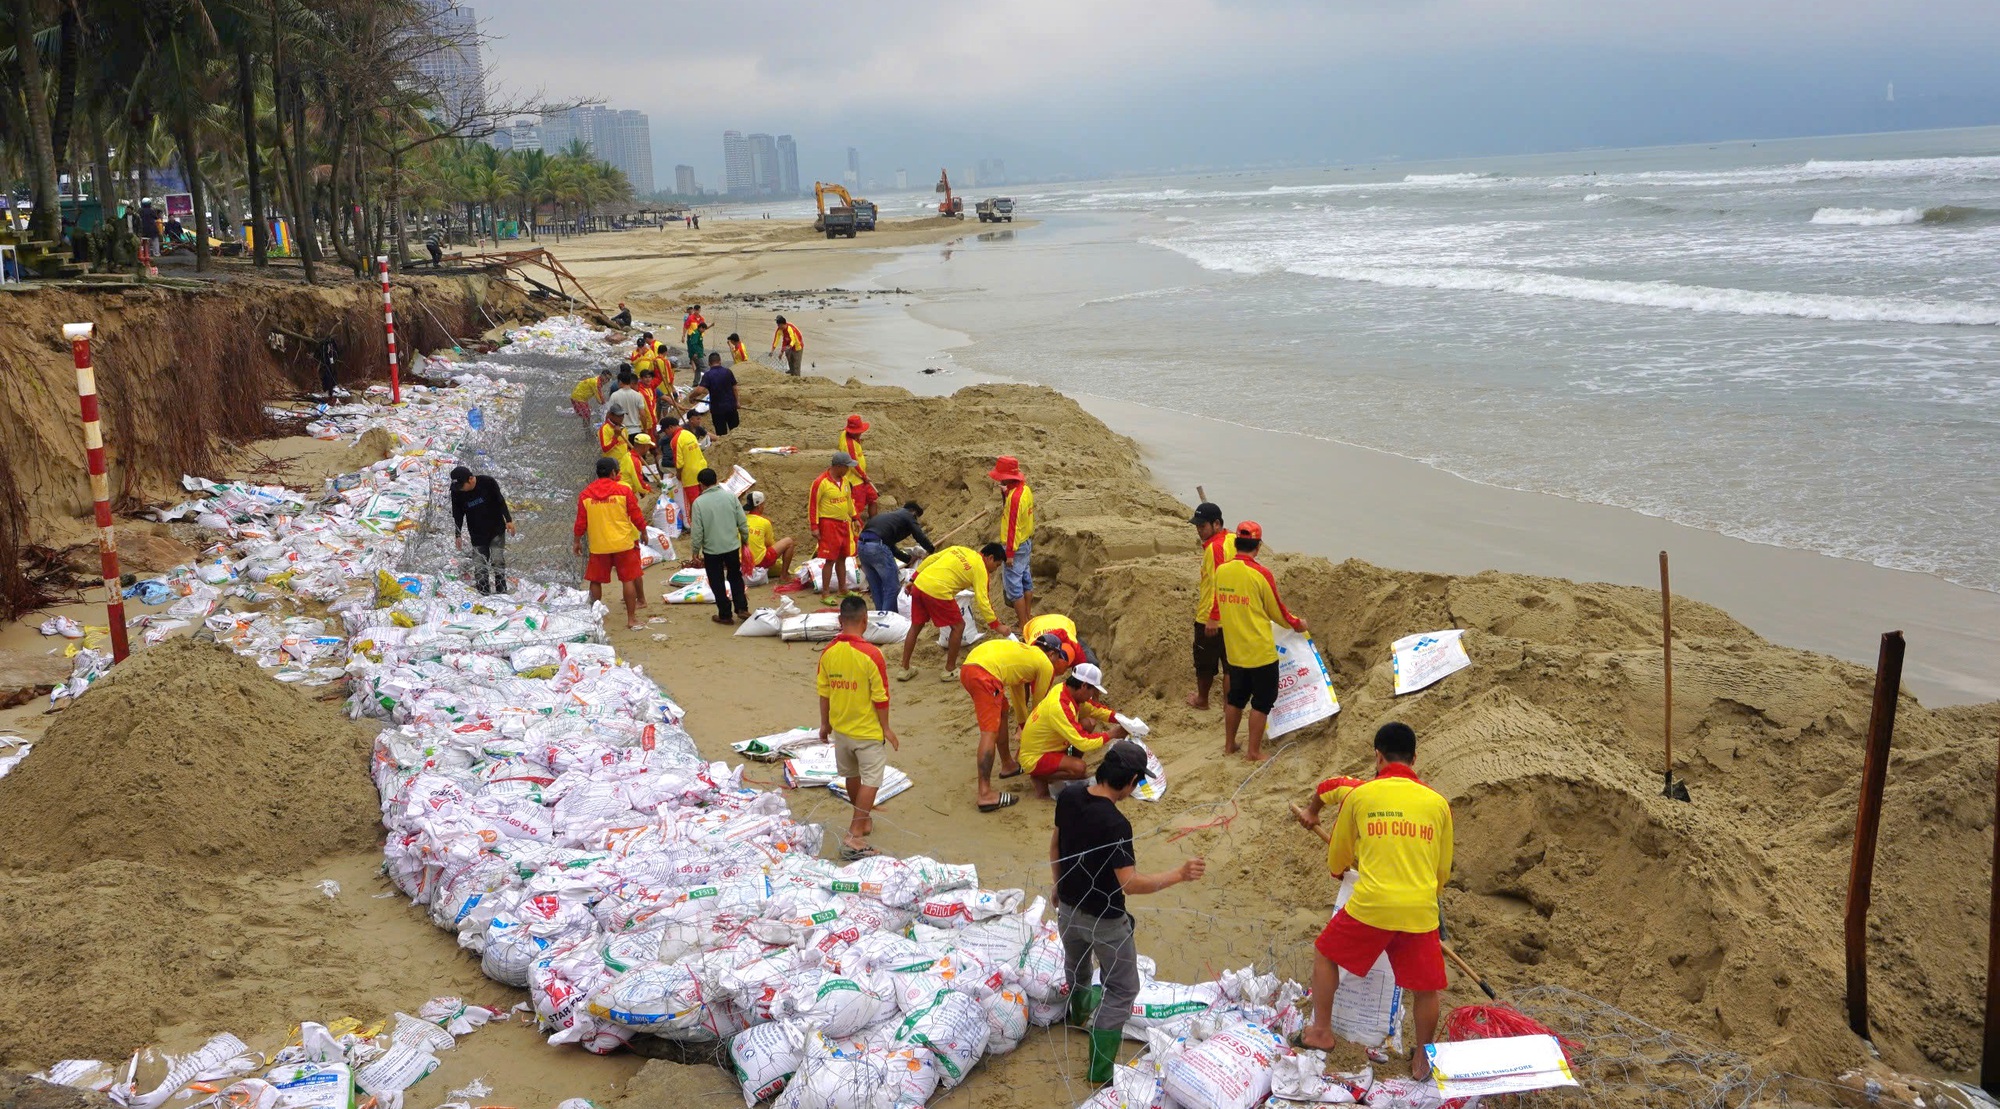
(856, 854)
(1006, 799)
(1014, 773)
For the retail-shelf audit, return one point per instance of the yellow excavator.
(845, 218)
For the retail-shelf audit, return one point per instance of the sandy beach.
(1718, 921)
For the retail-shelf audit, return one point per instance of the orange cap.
(1250, 529)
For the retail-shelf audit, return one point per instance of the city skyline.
(454, 66)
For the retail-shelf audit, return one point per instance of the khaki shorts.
(865, 759)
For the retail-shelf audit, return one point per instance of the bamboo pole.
(1867, 822)
(1989, 1058)
(1667, 666)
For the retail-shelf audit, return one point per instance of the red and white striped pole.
(389, 323)
(78, 335)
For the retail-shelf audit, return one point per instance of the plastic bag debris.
(12, 750)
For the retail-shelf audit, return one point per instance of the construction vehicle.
(845, 218)
(996, 209)
(951, 207)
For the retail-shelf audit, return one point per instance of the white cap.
(1089, 675)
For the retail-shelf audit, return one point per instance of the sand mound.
(188, 755)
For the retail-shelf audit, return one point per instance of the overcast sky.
(1087, 87)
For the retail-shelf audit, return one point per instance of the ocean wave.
(1444, 178)
(1868, 217)
(1593, 198)
(1967, 166)
(1666, 294)
(1143, 294)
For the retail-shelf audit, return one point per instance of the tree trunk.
(60, 125)
(106, 185)
(143, 172)
(197, 191)
(253, 169)
(45, 225)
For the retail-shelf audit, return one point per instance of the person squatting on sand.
(607, 513)
(763, 550)
(1095, 869)
(830, 515)
(1246, 605)
(934, 600)
(1004, 677)
(1402, 865)
(1217, 547)
(1064, 727)
(854, 716)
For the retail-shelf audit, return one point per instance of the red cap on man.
(857, 426)
(1006, 469)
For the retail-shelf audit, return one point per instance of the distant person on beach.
(854, 716)
(607, 513)
(1017, 535)
(327, 353)
(718, 384)
(1065, 725)
(862, 490)
(434, 243)
(830, 515)
(149, 229)
(1005, 678)
(1095, 869)
(875, 550)
(764, 550)
(1217, 547)
(792, 345)
(718, 530)
(588, 392)
(1402, 866)
(479, 508)
(737, 355)
(624, 316)
(1246, 604)
(934, 600)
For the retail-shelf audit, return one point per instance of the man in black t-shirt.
(1090, 855)
(478, 507)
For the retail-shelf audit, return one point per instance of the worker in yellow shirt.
(1245, 606)
(1217, 547)
(1064, 629)
(854, 716)
(765, 551)
(591, 389)
(1064, 728)
(1004, 676)
(787, 341)
(1395, 832)
(682, 452)
(860, 488)
(934, 600)
(830, 515)
(614, 443)
(1017, 535)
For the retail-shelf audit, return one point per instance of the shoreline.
(1420, 517)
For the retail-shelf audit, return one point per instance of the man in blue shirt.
(718, 383)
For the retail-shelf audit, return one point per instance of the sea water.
(1792, 342)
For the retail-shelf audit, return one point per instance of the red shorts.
(598, 570)
(1416, 957)
(769, 560)
(989, 695)
(836, 539)
(864, 495)
(1048, 764)
(926, 609)
(581, 408)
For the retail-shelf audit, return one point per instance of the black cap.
(1207, 513)
(460, 473)
(1124, 763)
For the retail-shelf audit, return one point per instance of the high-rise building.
(684, 181)
(738, 173)
(764, 164)
(522, 134)
(623, 139)
(635, 150)
(902, 179)
(788, 166)
(558, 131)
(853, 168)
(451, 66)
(992, 171)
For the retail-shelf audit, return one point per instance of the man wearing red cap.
(1246, 604)
(859, 487)
(1017, 535)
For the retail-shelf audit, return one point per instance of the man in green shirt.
(717, 530)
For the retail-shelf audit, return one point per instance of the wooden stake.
(1989, 1059)
(940, 540)
(1867, 821)
(1667, 668)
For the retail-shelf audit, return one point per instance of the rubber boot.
(1083, 1005)
(1104, 1045)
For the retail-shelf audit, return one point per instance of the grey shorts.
(865, 759)
(1016, 580)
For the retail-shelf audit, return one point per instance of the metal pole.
(389, 325)
(1667, 665)
(1867, 821)
(78, 335)
(1989, 1059)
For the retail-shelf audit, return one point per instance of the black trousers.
(489, 564)
(727, 569)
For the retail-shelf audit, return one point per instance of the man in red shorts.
(607, 512)
(1395, 831)
(830, 515)
(934, 600)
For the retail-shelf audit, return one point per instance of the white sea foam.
(1666, 294)
(1868, 217)
(1443, 178)
(1593, 198)
(1143, 294)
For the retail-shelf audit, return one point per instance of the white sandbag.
(763, 622)
(1169, 1006)
(387, 1075)
(1000, 941)
(313, 1085)
(1420, 660)
(765, 1057)
(974, 630)
(666, 999)
(1303, 1077)
(838, 1005)
(1229, 1070)
(912, 1078)
(1367, 1009)
(966, 906)
(953, 1026)
(1305, 685)
(1130, 1088)
(831, 1078)
(771, 748)
(885, 628)
(1006, 1019)
(696, 594)
(1045, 1013)
(534, 657)
(813, 627)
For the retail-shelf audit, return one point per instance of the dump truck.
(996, 209)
